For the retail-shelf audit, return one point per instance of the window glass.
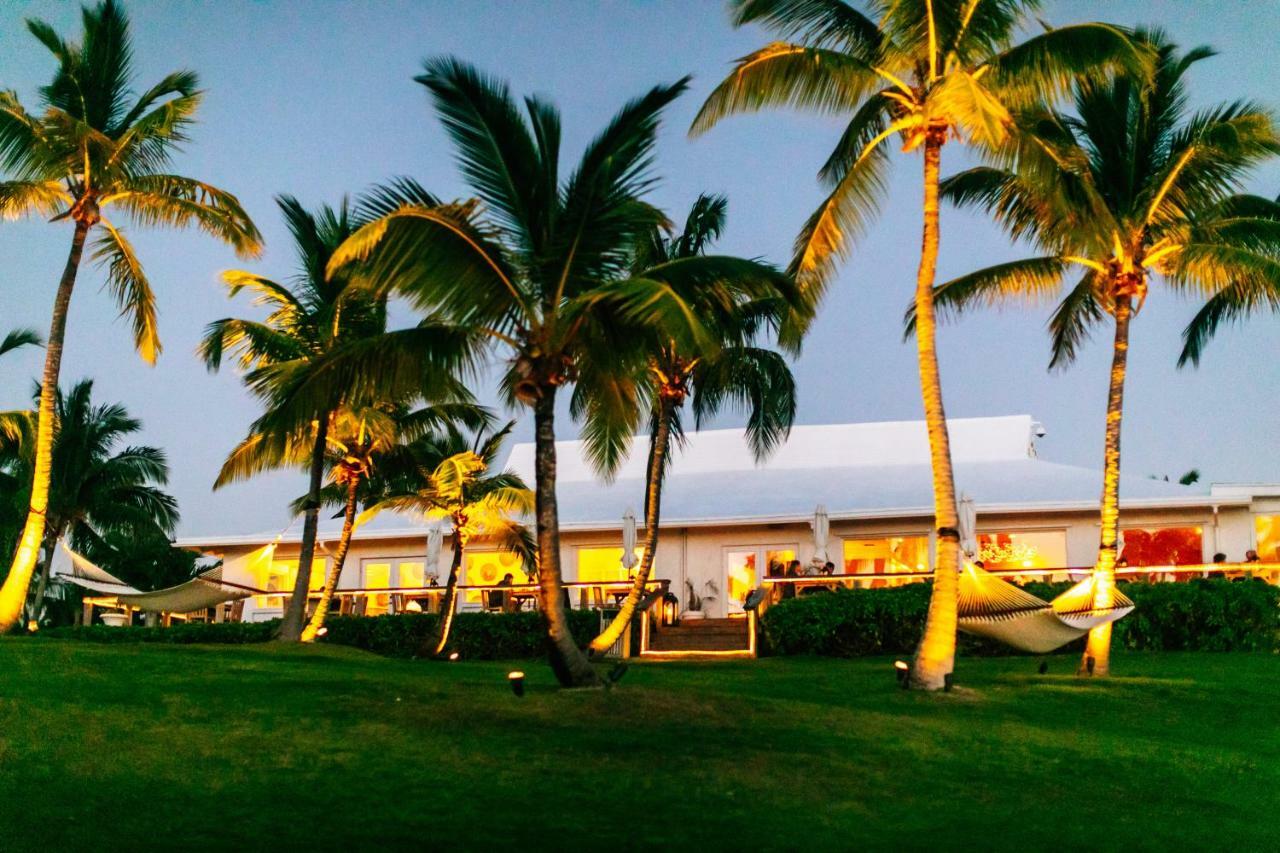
(1163, 546)
(1268, 530)
(410, 575)
(886, 555)
(1024, 549)
(377, 576)
(483, 568)
(604, 564)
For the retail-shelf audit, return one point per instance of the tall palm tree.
(100, 488)
(1130, 188)
(360, 438)
(927, 71)
(701, 339)
(524, 271)
(97, 148)
(314, 313)
(441, 477)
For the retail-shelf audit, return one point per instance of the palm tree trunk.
(449, 606)
(652, 501)
(569, 664)
(1098, 648)
(312, 630)
(46, 565)
(291, 626)
(935, 656)
(14, 592)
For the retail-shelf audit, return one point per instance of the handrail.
(1190, 568)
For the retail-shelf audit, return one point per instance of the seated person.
(829, 568)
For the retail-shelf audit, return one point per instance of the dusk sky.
(317, 99)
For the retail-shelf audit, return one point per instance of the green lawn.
(149, 747)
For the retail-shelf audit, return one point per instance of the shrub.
(476, 636)
(1203, 615)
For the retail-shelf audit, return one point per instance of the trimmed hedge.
(1202, 615)
(476, 636)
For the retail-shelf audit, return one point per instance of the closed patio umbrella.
(629, 540)
(968, 513)
(435, 538)
(821, 531)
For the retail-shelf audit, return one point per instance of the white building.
(725, 519)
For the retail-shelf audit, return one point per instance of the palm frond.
(26, 198)
(751, 379)
(19, 338)
(132, 291)
(177, 202)
(823, 23)
(1073, 320)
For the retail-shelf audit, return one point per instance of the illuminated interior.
(1268, 530)
(1163, 546)
(377, 576)
(604, 564)
(279, 575)
(742, 572)
(886, 555)
(489, 567)
(1028, 549)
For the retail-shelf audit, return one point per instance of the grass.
(256, 747)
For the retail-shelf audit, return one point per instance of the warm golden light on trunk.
(1098, 648)
(935, 655)
(316, 622)
(14, 592)
(449, 606)
(653, 499)
(569, 664)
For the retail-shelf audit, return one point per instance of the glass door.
(745, 567)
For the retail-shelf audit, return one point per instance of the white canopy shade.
(435, 539)
(821, 532)
(204, 590)
(629, 539)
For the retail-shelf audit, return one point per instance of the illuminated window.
(1163, 546)
(604, 564)
(410, 574)
(483, 568)
(1268, 530)
(742, 571)
(1026, 549)
(377, 576)
(888, 555)
(280, 575)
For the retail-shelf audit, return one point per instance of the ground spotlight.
(322, 631)
(516, 679)
(946, 683)
(1089, 664)
(1044, 667)
(903, 671)
(453, 656)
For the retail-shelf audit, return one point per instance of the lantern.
(670, 609)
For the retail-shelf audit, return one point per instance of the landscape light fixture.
(1044, 667)
(615, 674)
(903, 670)
(516, 679)
(1089, 664)
(453, 656)
(324, 630)
(946, 683)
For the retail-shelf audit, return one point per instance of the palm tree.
(313, 314)
(96, 149)
(100, 489)
(701, 343)
(359, 438)
(1130, 188)
(441, 477)
(525, 271)
(1242, 297)
(928, 72)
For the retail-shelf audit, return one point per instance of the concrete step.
(703, 635)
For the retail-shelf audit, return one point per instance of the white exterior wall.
(697, 554)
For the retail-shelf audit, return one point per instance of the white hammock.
(204, 590)
(991, 607)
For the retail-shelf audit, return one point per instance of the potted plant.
(695, 607)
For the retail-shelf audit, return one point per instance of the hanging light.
(516, 680)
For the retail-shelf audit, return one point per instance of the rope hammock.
(202, 591)
(991, 607)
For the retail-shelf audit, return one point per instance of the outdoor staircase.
(710, 637)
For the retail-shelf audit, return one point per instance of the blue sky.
(316, 99)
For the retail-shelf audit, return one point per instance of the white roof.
(867, 470)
